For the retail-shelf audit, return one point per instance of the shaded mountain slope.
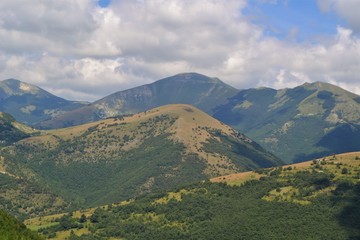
(297, 124)
(188, 88)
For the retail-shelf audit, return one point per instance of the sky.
(87, 49)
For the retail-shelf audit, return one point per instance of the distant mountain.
(295, 124)
(30, 104)
(305, 122)
(119, 158)
(188, 88)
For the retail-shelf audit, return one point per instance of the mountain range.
(188, 88)
(296, 124)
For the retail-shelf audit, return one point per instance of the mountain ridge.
(280, 120)
(186, 88)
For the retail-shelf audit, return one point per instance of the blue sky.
(104, 3)
(299, 20)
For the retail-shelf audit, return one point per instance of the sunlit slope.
(345, 166)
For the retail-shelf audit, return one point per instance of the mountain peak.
(186, 88)
(322, 86)
(29, 103)
(13, 87)
(192, 76)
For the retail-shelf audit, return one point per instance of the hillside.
(24, 198)
(30, 104)
(21, 197)
(119, 158)
(318, 199)
(12, 229)
(12, 131)
(297, 124)
(189, 88)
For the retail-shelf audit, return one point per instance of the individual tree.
(82, 218)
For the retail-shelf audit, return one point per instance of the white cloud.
(346, 9)
(80, 51)
(38, 25)
(337, 61)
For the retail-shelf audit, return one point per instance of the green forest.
(219, 211)
(12, 229)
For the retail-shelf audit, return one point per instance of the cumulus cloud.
(348, 10)
(78, 50)
(337, 61)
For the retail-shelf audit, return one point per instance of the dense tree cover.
(12, 229)
(160, 164)
(219, 211)
(24, 199)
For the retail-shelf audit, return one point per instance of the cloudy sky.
(86, 49)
